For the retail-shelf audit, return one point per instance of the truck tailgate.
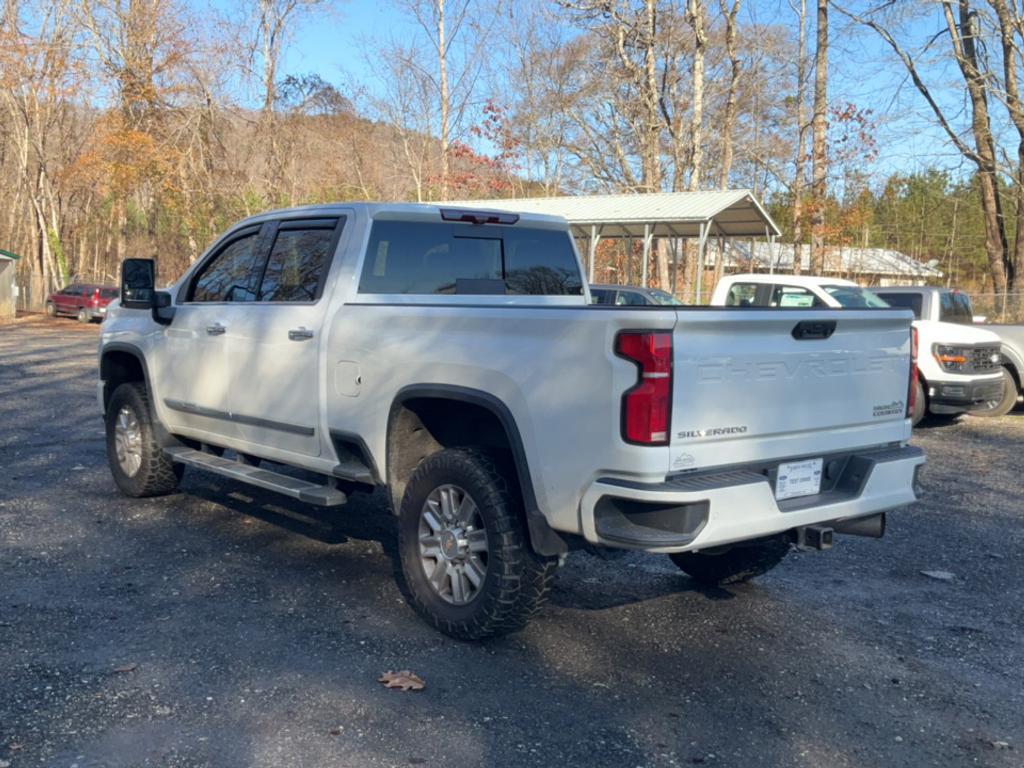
(752, 385)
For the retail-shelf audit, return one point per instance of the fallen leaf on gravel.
(939, 575)
(336, 730)
(406, 680)
(126, 667)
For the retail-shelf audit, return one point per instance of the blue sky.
(863, 71)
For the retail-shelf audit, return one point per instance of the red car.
(86, 302)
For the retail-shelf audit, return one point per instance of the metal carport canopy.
(647, 215)
(731, 213)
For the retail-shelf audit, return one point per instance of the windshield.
(853, 296)
(664, 297)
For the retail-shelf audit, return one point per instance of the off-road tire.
(920, 404)
(51, 309)
(517, 579)
(157, 475)
(735, 565)
(1007, 403)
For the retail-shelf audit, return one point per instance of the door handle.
(215, 330)
(300, 334)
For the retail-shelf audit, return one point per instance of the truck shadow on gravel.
(367, 518)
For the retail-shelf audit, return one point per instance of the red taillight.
(912, 394)
(647, 406)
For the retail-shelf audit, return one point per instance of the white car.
(960, 367)
(452, 357)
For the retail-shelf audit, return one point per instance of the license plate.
(798, 478)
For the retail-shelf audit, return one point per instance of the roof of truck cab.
(780, 277)
(914, 289)
(375, 209)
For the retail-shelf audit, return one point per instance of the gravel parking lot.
(226, 627)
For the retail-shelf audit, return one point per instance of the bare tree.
(443, 21)
(271, 23)
(729, 13)
(39, 76)
(963, 30)
(819, 149)
(799, 178)
(1011, 30)
(696, 19)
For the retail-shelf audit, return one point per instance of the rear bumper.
(702, 510)
(958, 396)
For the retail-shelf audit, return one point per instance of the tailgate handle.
(814, 329)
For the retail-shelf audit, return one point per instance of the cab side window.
(231, 275)
(742, 295)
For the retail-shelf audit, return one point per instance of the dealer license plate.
(798, 478)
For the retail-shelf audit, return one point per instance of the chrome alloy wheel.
(128, 441)
(453, 544)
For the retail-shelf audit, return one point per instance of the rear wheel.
(83, 316)
(51, 309)
(734, 565)
(1006, 403)
(136, 460)
(466, 562)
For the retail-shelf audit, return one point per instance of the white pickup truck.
(960, 370)
(453, 357)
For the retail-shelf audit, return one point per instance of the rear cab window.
(742, 295)
(911, 301)
(792, 296)
(426, 258)
(853, 296)
(631, 299)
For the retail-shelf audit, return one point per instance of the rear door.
(274, 344)
(764, 384)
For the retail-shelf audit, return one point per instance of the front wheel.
(137, 462)
(735, 565)
(1003, 405)
(920, 406)
(51, 309)
(466, 563)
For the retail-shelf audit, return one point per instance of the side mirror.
(138, 284)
